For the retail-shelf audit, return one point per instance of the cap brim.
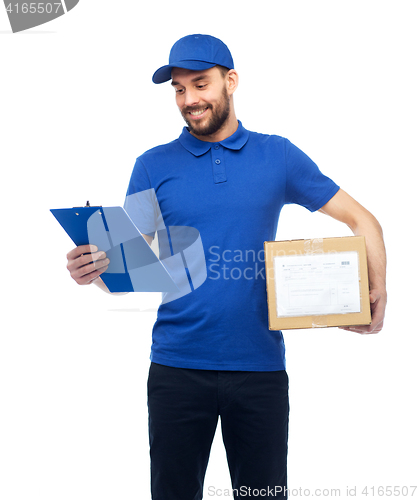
(164, 73)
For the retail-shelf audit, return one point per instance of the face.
(202, 98)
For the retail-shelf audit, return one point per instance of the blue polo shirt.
(232, 192)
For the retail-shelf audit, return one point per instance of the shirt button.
(217, 162)
(217, 146)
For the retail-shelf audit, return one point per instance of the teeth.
(197, 113)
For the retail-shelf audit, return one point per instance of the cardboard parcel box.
(317, 283)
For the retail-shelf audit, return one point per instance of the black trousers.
(184, 406)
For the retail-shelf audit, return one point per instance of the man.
(213, 354)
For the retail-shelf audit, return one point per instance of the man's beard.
(217, 120)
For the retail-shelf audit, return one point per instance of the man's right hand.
(86, 263)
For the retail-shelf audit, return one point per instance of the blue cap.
(195, 52)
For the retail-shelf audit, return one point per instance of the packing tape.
(314, 246)
(320, 322)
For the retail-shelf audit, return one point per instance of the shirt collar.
(197, 147)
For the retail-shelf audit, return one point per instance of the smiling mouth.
(198, 113)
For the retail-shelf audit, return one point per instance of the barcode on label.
(345, 263)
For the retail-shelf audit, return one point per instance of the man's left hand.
(378, 300)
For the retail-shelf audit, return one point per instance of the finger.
(95, 278)
(90, 267)
(74, 265)
(82, 274)
(374, 296)
(90, 258)
(378, 313)
(365, 329)
(357, 329)
(89, 277)
(346, 328)
(76, 252)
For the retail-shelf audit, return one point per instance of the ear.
(232, 81)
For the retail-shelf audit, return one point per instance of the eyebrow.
(196, 79)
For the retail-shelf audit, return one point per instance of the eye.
(179, 91)
(201, 86)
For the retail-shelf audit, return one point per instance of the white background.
(78, 106)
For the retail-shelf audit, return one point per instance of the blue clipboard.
(133, 265)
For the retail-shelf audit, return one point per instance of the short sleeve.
(306, 185)
(141, 202)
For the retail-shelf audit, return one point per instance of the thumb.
(374, 296)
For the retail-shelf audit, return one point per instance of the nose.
(190, 98)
